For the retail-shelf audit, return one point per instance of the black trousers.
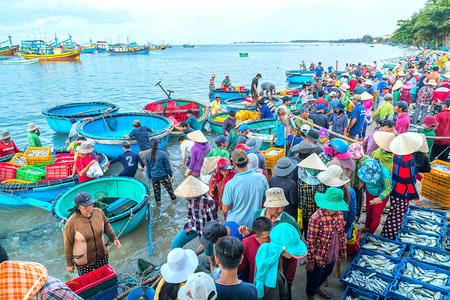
(438, 149)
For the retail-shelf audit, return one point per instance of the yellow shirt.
(215, 106)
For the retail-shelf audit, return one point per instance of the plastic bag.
(94, 170)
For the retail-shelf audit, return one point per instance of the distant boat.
(21, 62)
(125, 49)
(188, 46)
(62, 51)
(243, 54)
(88, 49)
(154, 47)
(10, 50)
(102, 46)
(371, 46)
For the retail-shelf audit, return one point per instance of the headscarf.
(253, 162)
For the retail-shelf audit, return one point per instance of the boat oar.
(92, 110)
(167, 94)
(149, 220)
(33, 202)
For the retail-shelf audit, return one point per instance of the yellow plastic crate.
(271, 160)
(17, 157)
(34, 160)
(436, 185)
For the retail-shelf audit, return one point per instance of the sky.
(200, 21)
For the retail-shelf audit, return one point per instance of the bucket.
(136, 293)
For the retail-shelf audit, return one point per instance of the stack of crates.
(96, 285)
(436, 184)
(272, 155)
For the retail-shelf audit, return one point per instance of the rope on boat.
(129, 220)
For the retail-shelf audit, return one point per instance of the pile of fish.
(418, 239)
(381, 246)
(377, 263)
(417, 292)
(423, 227)
(33, 172)
(38, 153)
(424, 215)
(273, 153)
(367, 280)
(428, 276)
(20, 160)
(441, 167)
(431, 257)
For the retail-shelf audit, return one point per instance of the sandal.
(326, 295)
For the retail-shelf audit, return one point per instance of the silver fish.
(418, 239)
(380, 246)
(423, 227)
(20, 160)
(367, 280)
(428, 276)
(424, 215)
(38, 153)
(431, 257)
(441, 167)
(377, 263)
(417, 292)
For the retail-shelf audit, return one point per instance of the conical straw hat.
(191, 187)
(406, 143)
(425, 148)
(366, 96)
(397, 85)
(197, 136)
(210, 164)
(313, 162)
(384, 139)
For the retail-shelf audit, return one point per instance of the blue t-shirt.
(381, 85)
(233, 229)
(293, 141)
(332, 106)
(141, 135)
(319, 71)
(192, 121)
(265, 112)
(130, 161)
(240, 291)
(358, 113)
(238, 191)
(339, 124)
(280, 128)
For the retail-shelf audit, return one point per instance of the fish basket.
(435, 253)
(382, 239)
(440, 226)
(358, 294)
(393, 294)
(396, 261)
(437, 238)
(30, 173)
(66, 156)
(34, 159)
(18, 160)
(436, 185)
(58, 171)
(8, 171)
(11, 181)
(385, 278)
(403, 266)
(42, 166)
(107, 294)
(94, 282)
(442, 214)
(273, 157)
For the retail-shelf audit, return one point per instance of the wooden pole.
(438, 137)
(336, 67)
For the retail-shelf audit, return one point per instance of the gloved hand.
(188, 171)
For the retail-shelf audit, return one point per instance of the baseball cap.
(243, 127)
(446, 102)
(305, 128)
(388, 96)
(221, 139)
(303, 109)
(198, 286)
(239, 156)
(356, 97)
(244, 147)
(83, 199)
(386, 87)
(217, 96)
(333, 94)
(321, 106)
(211, 232)
(258, 75)
(224, 164)
(402, 104)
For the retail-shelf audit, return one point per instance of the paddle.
(92, 110)
(168, 96)
(33, 202)
(149, 221)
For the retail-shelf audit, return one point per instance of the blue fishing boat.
(9, 50)
(299, 76)
(243, 104)
(126, 49)
(225, 95)
(107, 131)
(88, 49)
(110, 191)
(58, 117)
(20, 61)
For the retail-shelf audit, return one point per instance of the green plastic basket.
(22, 174)
(42, 166)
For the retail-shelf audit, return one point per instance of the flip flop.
(326, 295)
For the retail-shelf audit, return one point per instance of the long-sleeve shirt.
(9, 149)
(402, 124)
(198, 153)
(185, 148)
(383, 186)
(228, 125)
(350, 215)
(369, 145)
(265, 112)
(404, 177)
(201, 211)
(320, 119)
(159, 168)
(443, 128)
(383, 110)
(55, 289)
(33, 139)
(290, 192)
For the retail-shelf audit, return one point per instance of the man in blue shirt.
(359, 89)
(281, 125)
(357, 117)
(320, 118)
(382, 84)
(141, 134)
(319, 70)
(129, 160)
(264, 110)
(191, 120)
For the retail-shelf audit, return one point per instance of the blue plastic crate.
(108, 294)
(393, 288)
(412, 207)
(356, 293)
(442, 226)
(437, 251)
(364, 270)
(424, 266)
(371, 253)
(402, 245)
(438, 238)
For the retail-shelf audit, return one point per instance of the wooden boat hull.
(234, 104)
(135, 52)
(21, 62)
(108, 187)
(107, 131)
(9, 51)
(67, 56)
(90, 49)
(226, 95)
(215, 125)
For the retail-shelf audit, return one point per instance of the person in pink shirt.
(403, 119)
(441, 148)
(442, 92)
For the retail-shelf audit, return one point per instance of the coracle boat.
(62, 51)
(107, 132)
(122, 199)
(20, 62)
(243, 54)
(238, 104)
(262, 130)
(226, 94)
(216, 121)
(10, 50)
(58, 117)
(302, 76)
(176, 109)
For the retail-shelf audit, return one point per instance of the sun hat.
(313, 134)
(305, 128)
(216, 96)
(333, 176)
(85, 147)
(31, 127)
(366, 96)
(83, 199)
(340, 106)
(221, 139)
(209, 164)
(344, 86)
(213, 75)
(340, 146)
(356, 97)
(136, 123)
(333, 94)
(443, 82)
(199, 286)
(191, 187)
(284, 166)
(238, 124)
(356, 151)
(307, 99)
(239, 156)
(244, 147)
(243, 127)
(425, 148)
(314, 162)
(180, 264)
(337, 84)
(275, 198)
(224, 164)
(398, 84)
(370, 171)
(430, 121)
(368, 82)
(211, 232)
(304, 147)
(320, 106)
(383, 139)
(5, 135)
(406, 143)
(197, 136)
(409, 85)
(333, 199)
(401, 74)
(254, 144)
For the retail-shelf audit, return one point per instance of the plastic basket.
(93, 282)
(412, 207)
(414, 248)
(108, 294)
(14, 161)
(34, 160)
(407, 220)
(271, 160)
(436, 185)
(401, 269)
(8, 171)
(437, 238)
(394, 285)
(58, 171)
(22, 174)
(11, 181)
(372, 253)
(402, 245)
(387, 279)
(42, 166)
(358, 294)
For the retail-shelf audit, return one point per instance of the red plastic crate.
(226, 89)
(8, 171)
(93, 282)
(242, 88)
(58, 171)
(65, 156)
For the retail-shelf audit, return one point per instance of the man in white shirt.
(185, 146)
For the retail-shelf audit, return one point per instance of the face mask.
(313, 172)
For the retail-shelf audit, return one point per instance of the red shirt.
(322, 101)
(80, 164)
(8, 149)
(440, 94)
(352, 84)
(443, 128)
(248, 259)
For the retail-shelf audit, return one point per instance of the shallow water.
(129, 81)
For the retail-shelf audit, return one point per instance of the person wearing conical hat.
(384, 153)
(201, 211)
(396, 90)
(198, 153)
(33, 135)
(403, 181)
(7, 146)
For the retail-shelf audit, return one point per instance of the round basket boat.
(238, 104)
(262, 130)
(58, 117)
(225, 95)
(216, 126)
(110, 191)
(107, 132)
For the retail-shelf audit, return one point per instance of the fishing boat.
(154, 47)
(238, 104)
(176, 110)
(102, 46)
(9, 50)
(215, 121)
(20, 62)
(302, 76)
(243, 54)
(226, 94)
(56, 51)
(58, 117)
(88, 49)
(107, 131)
(129, 195)
(188, 46)
(262, 130)
(127, 49)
